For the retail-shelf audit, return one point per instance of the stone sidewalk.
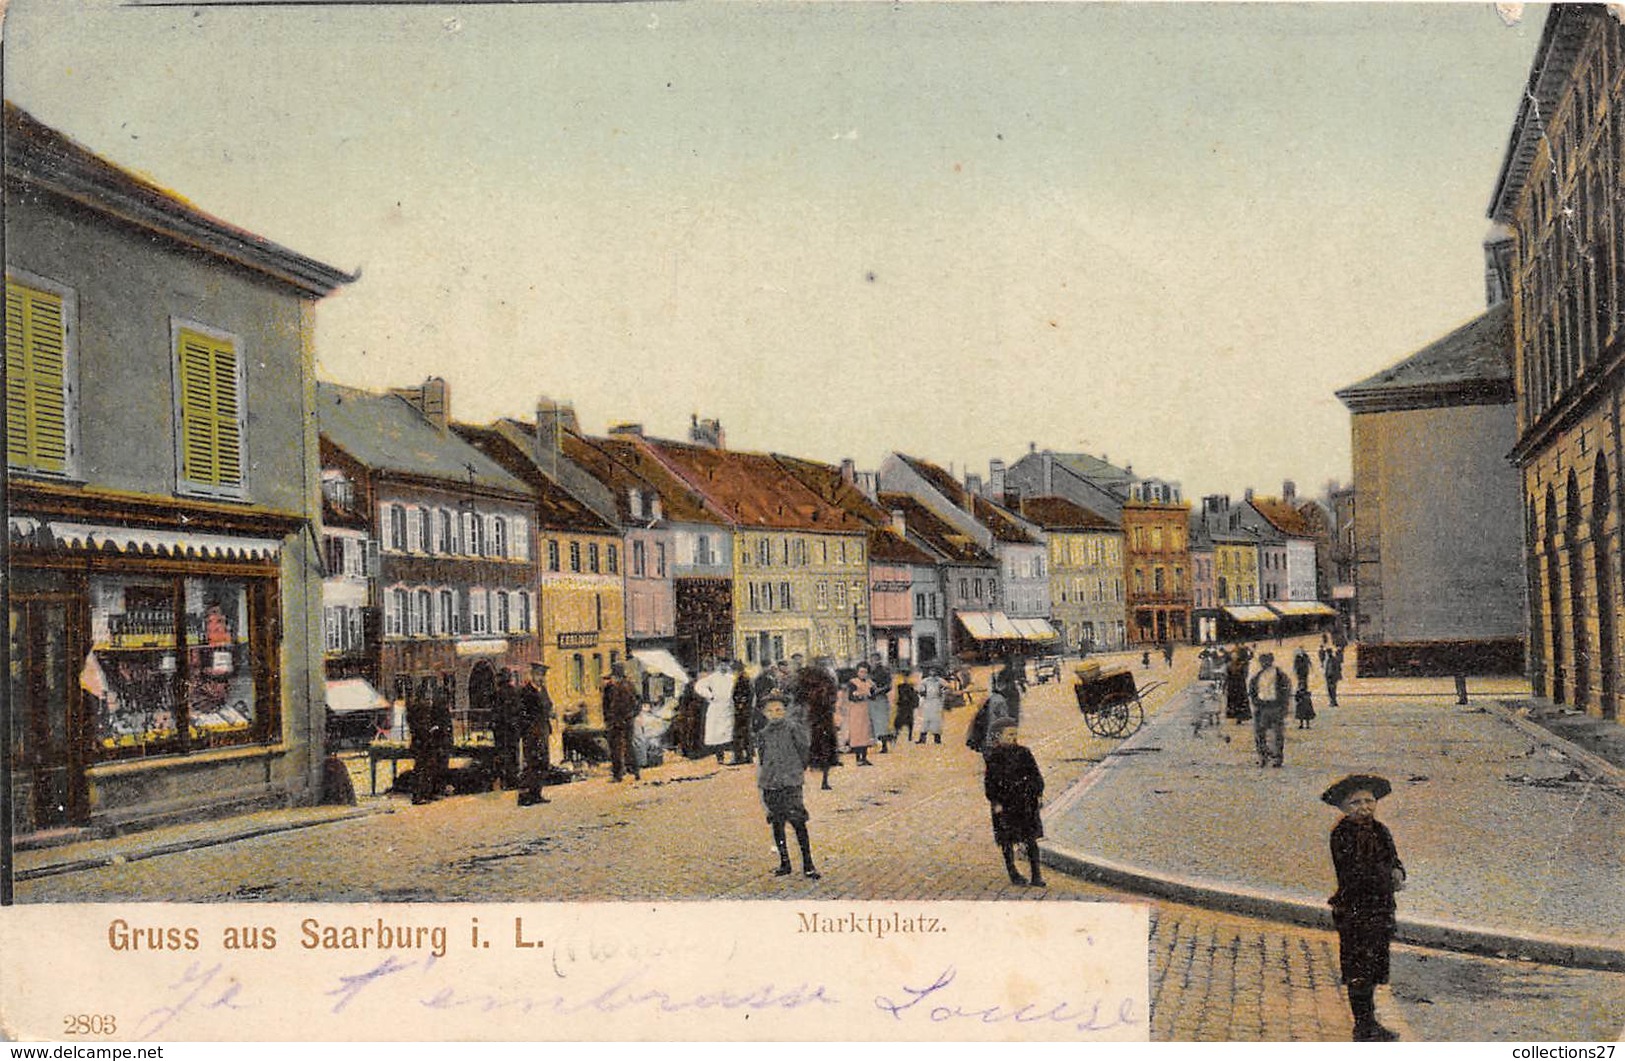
(1513, 838)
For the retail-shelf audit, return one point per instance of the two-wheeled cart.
(1110, 700)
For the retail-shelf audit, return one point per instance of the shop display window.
(171, 666)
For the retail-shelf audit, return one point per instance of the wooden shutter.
(211, 409)
(36, 364)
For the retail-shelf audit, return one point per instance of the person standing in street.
(813, 690)
(420, 732)
(933, 693)
(880, 717)
(505, 729)
(441, 696)
(744, 698)
(1168, 653)
(717, 686)
(535, 719)
(1300, 667)
(1011, 681)
(908, 702)
(620, 711)
(1015, 790)
(1270, 691)
(1369, 872)
(1334, 674)
(860, 733)
(783, 747)
(1235, 684)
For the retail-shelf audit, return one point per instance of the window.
(420, 613)
(597, 614)
(395, 609)
(448, 612)
(414, 529)
(426, 529)
(639, 559)
(575, 556)
(39, 387)
(764, 552)
(448, 539)
(499, 538)
(822, 596)
(518, 539)
(524, 613)
(592, 557)
(502, 617)
(702, 550)
(785, 600)
(964, 589)
(977, 585)
(209, 403)
(397, 528)
(660, 559)
(332, 554)
(552, 554)
(479, 615)
(840, 594)
(755, 597)
(613, 560)
(919, 606)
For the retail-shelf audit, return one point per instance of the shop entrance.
(48, 755)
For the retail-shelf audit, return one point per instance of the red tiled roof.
(826, 481)
(940, 535)
(556, 507)
(753, 489)
(1060, 514)
(1283, 517)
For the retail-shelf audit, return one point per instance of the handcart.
(1110, 700)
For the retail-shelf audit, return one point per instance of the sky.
(1163, 233)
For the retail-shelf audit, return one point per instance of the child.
(1369, 872)
(1014, 789)
(782, 748)
(1303, 708)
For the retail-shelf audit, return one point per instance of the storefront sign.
(488, 647)
(587, 639)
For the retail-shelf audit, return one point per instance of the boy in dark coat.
(1015, 790)
(782, 747)
(815, 693)
(908, 701)
(1369, 872)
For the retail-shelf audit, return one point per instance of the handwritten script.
(936, 1003)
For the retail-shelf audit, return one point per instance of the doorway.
(50, 790)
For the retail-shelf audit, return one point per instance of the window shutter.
(211, 426)
(36, 362)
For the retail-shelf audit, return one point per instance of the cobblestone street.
(913, 827)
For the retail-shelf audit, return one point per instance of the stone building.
(1087, 599)
(1558, 193)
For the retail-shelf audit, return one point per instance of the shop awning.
(659, 661)
(354, 694)
(1034, 629)
(1250, 613)
(1297, 609)
(989, 626)
(140, 541)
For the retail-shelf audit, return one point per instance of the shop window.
(39, 374)
(173, 664)
(210, 412)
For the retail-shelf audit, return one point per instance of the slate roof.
(954, 545)
(556, 507)
(1060, 514)
(753, 489)
(387, 434)
(1005, 527)
(826, 481)
(1092, 467)
(1470, 366)
(39, 155)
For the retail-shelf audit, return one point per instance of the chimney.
(1247, 495)
(1049, 474)
(995, 479)
(973, 485)
(1032, 447)
(627, 430)
(849, 470)
(1289, 492)
(550, 422)
(899, 523)
(432, 400)
(869, 483)
(707, 433)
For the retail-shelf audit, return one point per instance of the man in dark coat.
(1271, 692)
(1014, 788)
(815, 693)
(505, 729)
(620, 709)
(1369, 872)
(1010, 681)
(744, 699)
(1235, 684)
(1334, 674)
(535, 721)
(442, 695)
(420, 732)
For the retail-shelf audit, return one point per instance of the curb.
(1593, 762)
(77, 865)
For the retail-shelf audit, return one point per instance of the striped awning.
(1250, 613)
(139, 541)
(1295, 609)
(1034, 629)
(989, 626)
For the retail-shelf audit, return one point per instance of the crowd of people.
(1263, 695)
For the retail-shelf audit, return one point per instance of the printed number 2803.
(89, 1024)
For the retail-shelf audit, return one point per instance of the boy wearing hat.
(1015, 790)
(782, 748)
(1369, 872)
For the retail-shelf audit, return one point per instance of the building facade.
(1157, 560)
(165, 590)
(1558, 193)
(1087, 599)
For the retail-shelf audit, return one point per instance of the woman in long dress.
(933, 690)
(860, 731)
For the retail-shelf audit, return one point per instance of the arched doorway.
(482, 685)
(1554, 596)
(1577, 598)
(1603, 569)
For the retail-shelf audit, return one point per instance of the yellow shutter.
(36, 356)
(211, 430)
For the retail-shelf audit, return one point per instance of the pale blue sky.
(1163, 232)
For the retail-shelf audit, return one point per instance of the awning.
(140, 541)
(1296, 609)
(989, 626)
(1034, 629)
(354, 694)
(1250, 613)
(660, 661)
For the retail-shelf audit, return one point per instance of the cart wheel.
(1095, 720)
(1133, 718)
(1114, 719)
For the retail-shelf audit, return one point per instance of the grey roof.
(1470, 366)
(387, 434)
